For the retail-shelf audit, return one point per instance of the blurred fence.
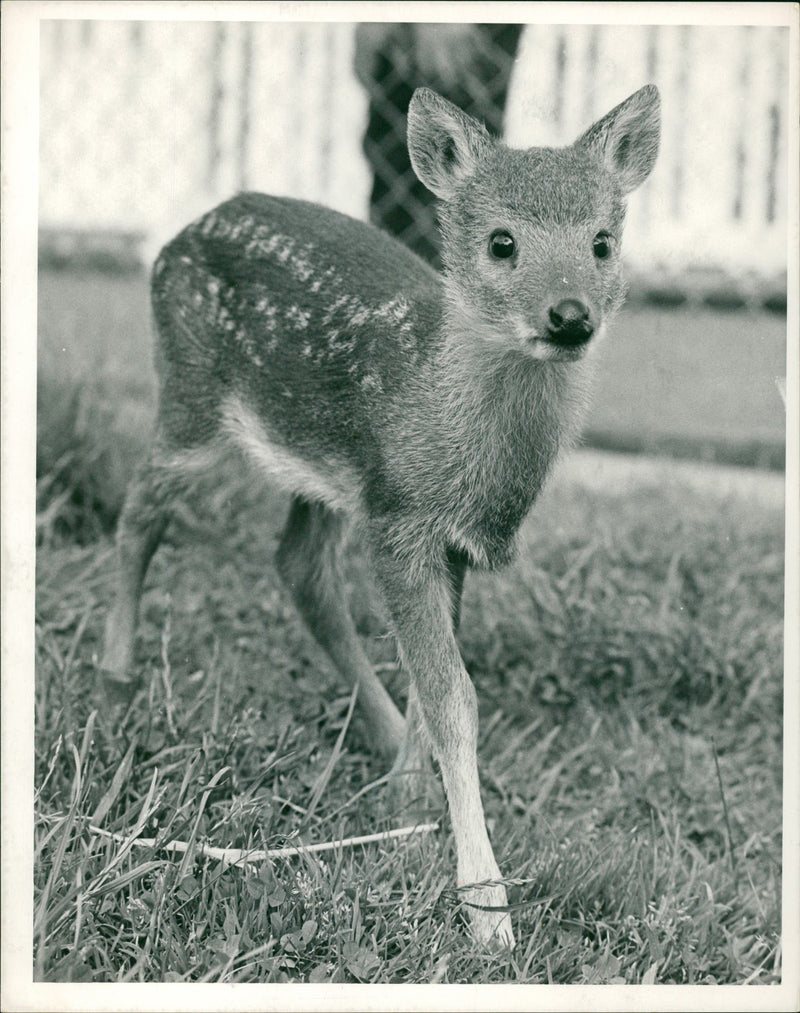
(143, 125)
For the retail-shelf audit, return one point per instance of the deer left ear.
(445, 145)
(626, 139)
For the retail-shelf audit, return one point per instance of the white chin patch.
(540, 348)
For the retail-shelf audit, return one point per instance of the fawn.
(428, 408)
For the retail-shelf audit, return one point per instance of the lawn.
(629, 672)
(693, 382)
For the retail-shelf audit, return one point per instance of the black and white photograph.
(400, 410)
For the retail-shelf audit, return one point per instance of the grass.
(628, 668)
(95, 397)
(693, 382)
(614, 670)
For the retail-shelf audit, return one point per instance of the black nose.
(569, 323)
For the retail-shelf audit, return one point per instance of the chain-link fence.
(469, 64)
(144, 125)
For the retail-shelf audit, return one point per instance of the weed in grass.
(82, 463)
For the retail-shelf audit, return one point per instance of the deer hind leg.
(308, 562)
(141, 526)
(413, 788)
(420, 603)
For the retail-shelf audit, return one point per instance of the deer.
(423, 410)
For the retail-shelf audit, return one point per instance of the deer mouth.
(546, 350)
(550, 351)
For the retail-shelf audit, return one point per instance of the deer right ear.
(444, 144)
(626, 139)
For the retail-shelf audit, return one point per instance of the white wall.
(144, 127)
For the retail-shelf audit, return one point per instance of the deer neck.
(520, 407)
(501, 418)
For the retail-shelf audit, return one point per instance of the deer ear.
(444, 144)
(626, 139)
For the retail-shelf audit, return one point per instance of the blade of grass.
(166, 672)
(87, 736)
(731, 855)
(121, 775)
(50, 768)
(73, 647)
(325, 776)
(41, 912)
(128, 842)
(188, 857)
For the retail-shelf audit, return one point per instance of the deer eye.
(602, 245)
(502, 245)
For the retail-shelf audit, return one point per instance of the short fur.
(430, 408)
